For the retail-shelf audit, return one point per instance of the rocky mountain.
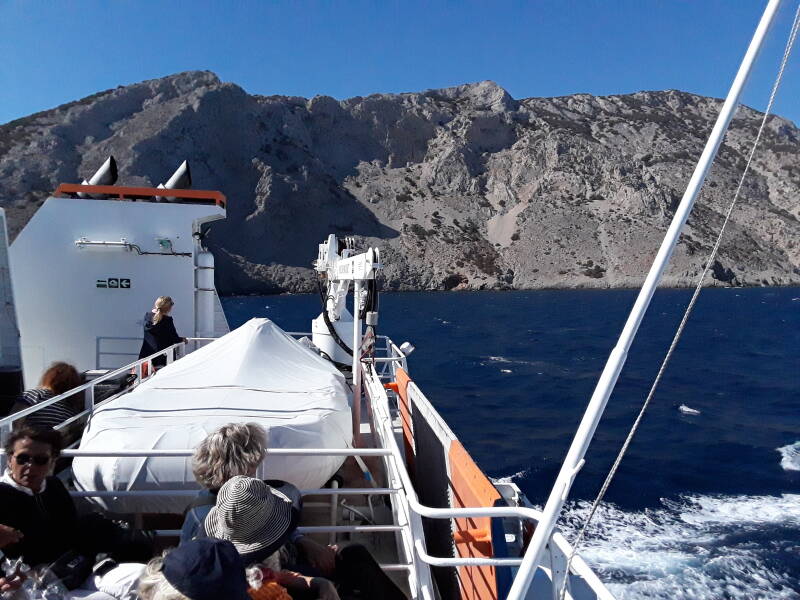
(462, 188)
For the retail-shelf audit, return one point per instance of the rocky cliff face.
(462, 188)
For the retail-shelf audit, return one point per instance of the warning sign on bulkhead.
(117, 283)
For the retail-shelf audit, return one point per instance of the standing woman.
(159, 330)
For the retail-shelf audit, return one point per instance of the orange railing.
(144, 193)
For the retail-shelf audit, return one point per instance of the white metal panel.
(9, 334)
(63, 314)
(221, 326)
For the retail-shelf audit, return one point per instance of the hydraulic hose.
(327, 320)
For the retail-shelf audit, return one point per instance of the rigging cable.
(601, 494)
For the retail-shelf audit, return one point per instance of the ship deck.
(373, 499)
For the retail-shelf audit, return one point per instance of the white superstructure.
(9, 332)
(85, 271)
(10, 355)
(403, 468)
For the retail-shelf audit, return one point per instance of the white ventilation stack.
(204, 293)
(105, 175)
(181, 180)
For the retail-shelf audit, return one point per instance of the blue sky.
(54, 52)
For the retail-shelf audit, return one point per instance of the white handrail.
(316, 529)
(349, 528)
(438, 561)
(10, 419)
(578, 567)
(616, 360)
(381, 410)
(193, 492)
(269, 451)
(383, 427)
(425, 511)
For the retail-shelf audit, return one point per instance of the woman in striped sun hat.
(259, 519)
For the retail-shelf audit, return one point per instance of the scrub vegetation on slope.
(462, 188)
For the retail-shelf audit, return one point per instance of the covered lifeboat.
(256, 373)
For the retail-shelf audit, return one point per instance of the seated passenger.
(211, 569)
(259, 520)
(41, 524)
(60, 377)
(238, 449)
(204, 569)
(233, 449)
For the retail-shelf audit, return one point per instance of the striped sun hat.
(256, 518)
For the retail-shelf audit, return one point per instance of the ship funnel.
(181, 180)
(105, 175)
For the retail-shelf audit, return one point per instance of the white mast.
(616, 360)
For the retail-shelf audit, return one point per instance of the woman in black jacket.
(40, 524)
(159, 330)
(32, 501)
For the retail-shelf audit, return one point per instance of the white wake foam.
(790, 457)
(700, 547)
(500, 359)
(510, 478)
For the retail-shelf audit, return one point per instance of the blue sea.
(705, 505)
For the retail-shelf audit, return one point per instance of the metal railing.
(147, 452)
(557, 550)
(384, 429)
(388, 355)
(143, 368)
(100, 352)
(193, 492)
(170, 354)
(407, 509)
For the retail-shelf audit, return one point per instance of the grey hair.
(153, 585)
(233, 449)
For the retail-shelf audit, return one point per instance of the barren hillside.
(463, 187)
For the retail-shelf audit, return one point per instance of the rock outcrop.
(462, 188)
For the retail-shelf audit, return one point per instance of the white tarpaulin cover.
(256, 373)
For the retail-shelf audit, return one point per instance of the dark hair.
(52, 437)
(60, 377)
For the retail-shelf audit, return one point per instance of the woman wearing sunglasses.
(33, 503)
(39, 521)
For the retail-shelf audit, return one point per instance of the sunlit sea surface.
(704, 505)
